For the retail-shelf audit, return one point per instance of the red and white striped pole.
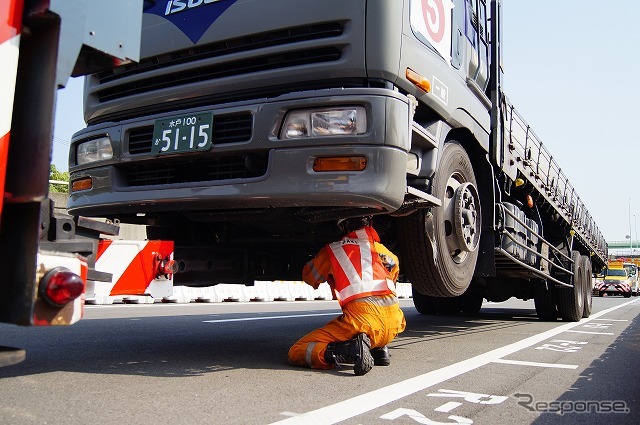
(10, 30)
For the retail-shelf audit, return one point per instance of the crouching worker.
(362, 274)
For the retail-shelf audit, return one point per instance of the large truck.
(47, 257)
(249, 127)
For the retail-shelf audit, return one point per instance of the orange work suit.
(374, 312)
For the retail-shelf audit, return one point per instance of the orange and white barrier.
(142, 271)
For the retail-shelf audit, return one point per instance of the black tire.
(423, 303)
(428, 305)
(571, 300)
(450, 306)
(588, 286)
(471, 302)
(440, 245)
(627, 294)
(545, 300)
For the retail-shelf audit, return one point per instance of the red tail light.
(170, 267)
(166, 267)
(60, 286)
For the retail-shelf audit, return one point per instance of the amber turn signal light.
(82, 184)
(342, 163)
(418, 80)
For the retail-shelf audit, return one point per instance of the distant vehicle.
(598, 279)
(616, 282)
(632, 269)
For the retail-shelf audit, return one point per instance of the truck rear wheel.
(545, 300)
(423, 303)
(588, 286)
(440, 245)
(571, 300)
(428, 305)
(472, 302)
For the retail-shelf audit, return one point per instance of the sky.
(571, 70)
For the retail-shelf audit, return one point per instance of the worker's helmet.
(348, 225)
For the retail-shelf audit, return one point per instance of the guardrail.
(624, 244)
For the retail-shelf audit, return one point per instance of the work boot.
(381, 356)
(355, 352)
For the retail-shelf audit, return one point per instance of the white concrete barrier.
(260, 291)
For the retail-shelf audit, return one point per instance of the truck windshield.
(616, 272)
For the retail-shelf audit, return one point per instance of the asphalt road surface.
(225, 363)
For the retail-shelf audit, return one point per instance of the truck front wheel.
(440, 245)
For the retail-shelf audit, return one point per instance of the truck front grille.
(210, 169)
(226, 129)
(222, 68)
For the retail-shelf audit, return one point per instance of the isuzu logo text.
(176, 6)
(189, 16)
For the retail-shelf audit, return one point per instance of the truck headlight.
(343, 121)
(94, 150)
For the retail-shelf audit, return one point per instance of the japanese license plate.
(184, 133)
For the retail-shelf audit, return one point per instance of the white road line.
(522, 363)
(248, 319)
(289, 414)
(593, 333)
(613, 320)
(363, 403)
(448, 407)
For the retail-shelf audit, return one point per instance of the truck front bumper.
(285, 178)
(290, 182)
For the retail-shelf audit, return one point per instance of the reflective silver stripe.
(385, 301)
(345, 263)
(350, 271)
(308, 356)
(366, 262)
(363, 287)
(391, 284)
(316, 273)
